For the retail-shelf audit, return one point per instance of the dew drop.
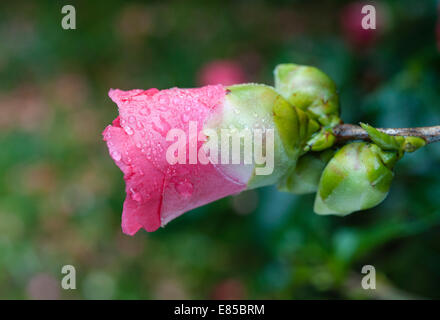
(116, 155)
(161, 126)
(185, 117)
(128, 130)
(144, 111)
(163, 100)
(184, 188)
(136, 196)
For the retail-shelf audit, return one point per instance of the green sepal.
(296, 128)
(305, 177)
(251, 106)
(294, 125)
(321, 140)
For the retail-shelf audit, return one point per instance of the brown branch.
(347, 132)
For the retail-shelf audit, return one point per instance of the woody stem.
(347, 132)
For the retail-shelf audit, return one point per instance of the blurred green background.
(61, 195)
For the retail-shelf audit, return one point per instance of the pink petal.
(225, 72)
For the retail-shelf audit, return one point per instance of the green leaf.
(383, 140)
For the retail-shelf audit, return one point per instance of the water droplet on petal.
(161, 125)
(116, 155)
(163, 100)
(145, 111)
(129, 130)
(185, 117)
(136, 196)
(184, 188)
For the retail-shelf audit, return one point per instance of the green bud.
(321, 140)
(411, 144)
(305, 178)
(311, 90)
(358, 177)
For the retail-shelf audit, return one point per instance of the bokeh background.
(61, 194)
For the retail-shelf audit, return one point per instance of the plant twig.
(347, 132)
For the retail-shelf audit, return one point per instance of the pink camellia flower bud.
(159, 142)
(225, 72)
(157, 191)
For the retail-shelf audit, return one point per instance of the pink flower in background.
(157, 191)
(225, 72)
(229, 289)
(351, 24)
(43, 286)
